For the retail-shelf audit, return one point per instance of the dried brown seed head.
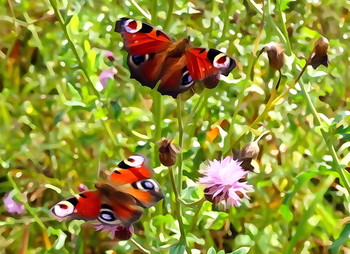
(275, 53)
(320, 53)
(167, 152)
(250, 150)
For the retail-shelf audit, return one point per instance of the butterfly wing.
(145, 45)
(132, 169)
(119, 201)
(85, 206)
(148, 58)
(133, 178)
(105, 204)
(141, 38)
(117, 207)
(206, 64)
(196, 64)
(123, 204)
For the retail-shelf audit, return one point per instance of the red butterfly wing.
(118, 201)
(154, 57)
(146, 46)
(141, 38)
(205, 64)
(85, 205)
(132, 169)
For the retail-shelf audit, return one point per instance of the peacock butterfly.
(118, 201)
(153, 56)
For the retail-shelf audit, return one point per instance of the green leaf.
(75, 103)
(74, 24)
(211, 250)
(116, 109)
(91, 56)
(178, 248)
(74, 92)
(284, 4)
(343, 237)
(286, 213)
(242, 250)
(59, 243)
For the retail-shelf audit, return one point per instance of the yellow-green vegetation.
(60, 127)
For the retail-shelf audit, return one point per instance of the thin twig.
(139, 247)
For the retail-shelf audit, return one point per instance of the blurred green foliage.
(55, 132)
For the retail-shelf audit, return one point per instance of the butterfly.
(118, 201)
(154, 57)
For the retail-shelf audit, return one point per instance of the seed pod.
(167, 152)
(275, 53)
(320, 53)
(250, 150)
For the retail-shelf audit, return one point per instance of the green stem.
(157, 116)
(154, 11)
(178, 208)
(326, 139)
(109, 131)
(269, 103)
(195, 220)
(139, 247)
(142, 11)
(228, 12)
(181, 132)
(195, 108)
(169, 14)
(73, 48)
(255, 6)
(284, 29)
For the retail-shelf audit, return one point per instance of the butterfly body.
(118, 201)
(154, 57)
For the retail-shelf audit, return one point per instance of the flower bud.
(167, 152)
(320, 53)
(275, 53)
(82, 187)
(109, 54)
(250, 150)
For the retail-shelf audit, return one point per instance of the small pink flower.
(109, 55)
(224, 182)
(105, 75)
(82, 187)
(115, 232)
(13, 206)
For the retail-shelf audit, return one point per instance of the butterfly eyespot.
(107, 216)
(137, 60)
(134, 161)
(187, 79)
(132, 26)
(221, 61)
(63, 209)
(146, 185)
